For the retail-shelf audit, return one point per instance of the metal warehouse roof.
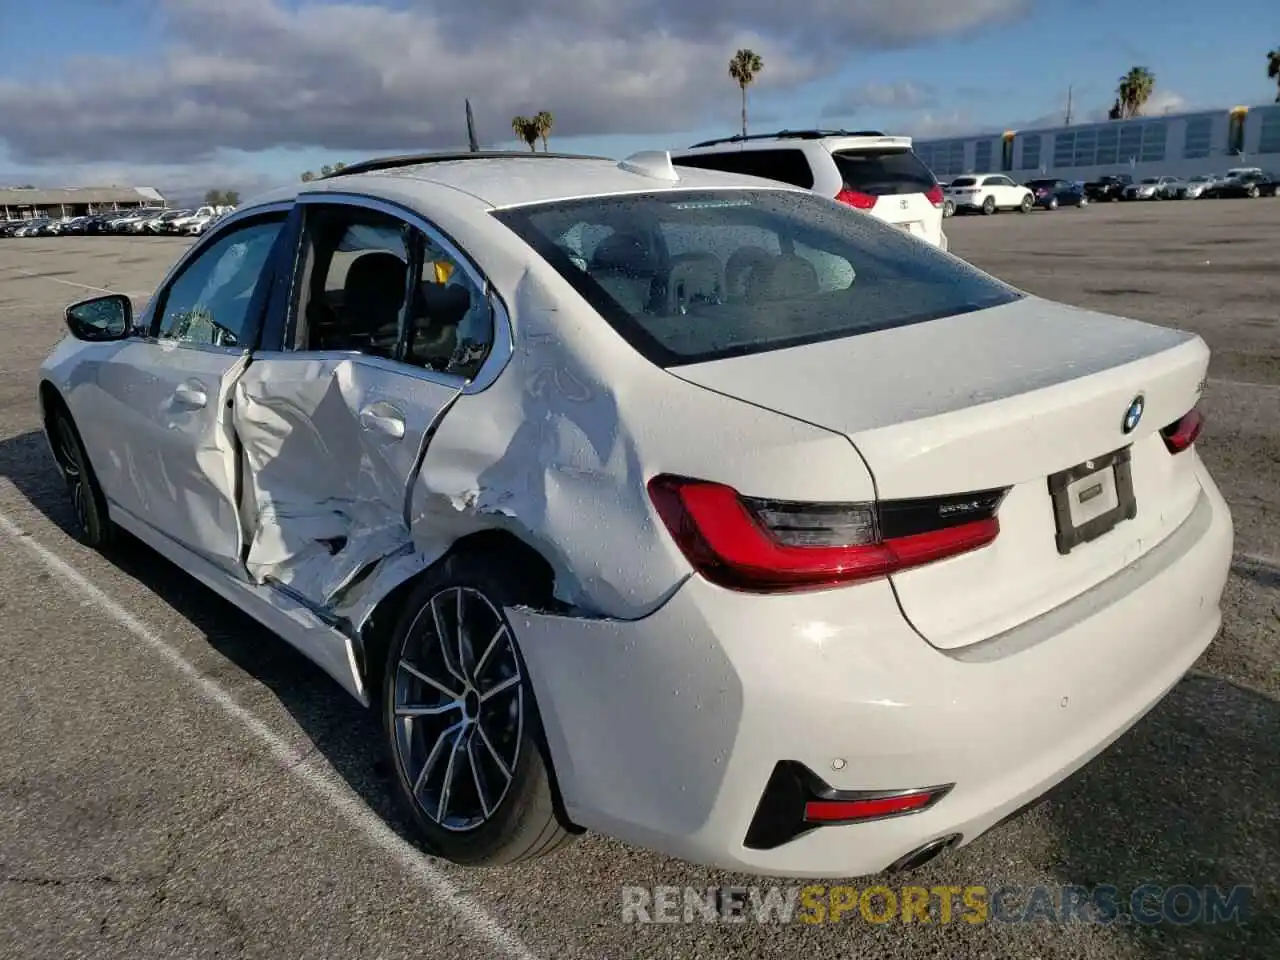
(73, 195)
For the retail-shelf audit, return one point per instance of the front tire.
(93, 526)
(1052, 203)
(1253, 191)
(461, 723)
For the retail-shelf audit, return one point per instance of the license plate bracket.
(1091, 498)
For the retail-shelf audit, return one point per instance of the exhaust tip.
(921, 855)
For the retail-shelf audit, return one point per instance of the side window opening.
(208, 303)
(376, 285)
(450, 324)
(786, 165)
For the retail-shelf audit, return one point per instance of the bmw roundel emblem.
(1133, 416)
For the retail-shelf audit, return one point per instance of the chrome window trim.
(503, 341)
(142, 322)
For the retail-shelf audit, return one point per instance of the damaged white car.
(690, 508)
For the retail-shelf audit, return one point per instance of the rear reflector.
(1181, 434)
(745, 543)
(860, 201)
(934, 195)
(871, 808)
(797, 801)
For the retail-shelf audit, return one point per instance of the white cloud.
(904, 95)
(360, 78)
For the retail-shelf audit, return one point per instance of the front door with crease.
(171, 461)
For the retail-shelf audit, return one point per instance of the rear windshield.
(883, 172)
(964, 181)
(687, 277)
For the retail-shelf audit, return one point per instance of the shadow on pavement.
(346, 734)
(1193, 793)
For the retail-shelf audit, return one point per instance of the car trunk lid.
(1002, 398)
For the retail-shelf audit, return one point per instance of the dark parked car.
(1051, 193)
(1110, 187)
(1252, 184)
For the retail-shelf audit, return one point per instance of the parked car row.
(143, 220)
(1238, 182)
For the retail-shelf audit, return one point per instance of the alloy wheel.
(459, 709)
(69, 461)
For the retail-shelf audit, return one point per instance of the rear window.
(692, 276)
(964, 181)
(784, 165)
(883, 172)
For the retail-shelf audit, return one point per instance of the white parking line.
(312, 773)
(65, 283)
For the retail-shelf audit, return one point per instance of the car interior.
(357, 286)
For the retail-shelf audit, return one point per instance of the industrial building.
(1179, 145)
(20, 203)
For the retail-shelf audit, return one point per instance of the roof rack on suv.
(789, 135)
(413, 159)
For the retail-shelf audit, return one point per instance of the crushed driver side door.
(334, 413)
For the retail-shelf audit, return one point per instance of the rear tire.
(461, 724)
(1253, 191)
(93, 526)
(988, 206)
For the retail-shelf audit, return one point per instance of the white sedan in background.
(989, 192)
(816, 572)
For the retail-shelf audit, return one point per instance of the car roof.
(508, 181)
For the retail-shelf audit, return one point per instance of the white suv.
(867, 170)
(989, 192)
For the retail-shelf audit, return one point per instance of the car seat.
(625, 266)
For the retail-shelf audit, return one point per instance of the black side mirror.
(101, 319)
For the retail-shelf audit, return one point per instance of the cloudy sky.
(189, 94)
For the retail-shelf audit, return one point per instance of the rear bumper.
(665, 731)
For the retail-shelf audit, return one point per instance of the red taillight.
(860, 201)
(768, 545)
(1181, 434)
(935, 195)
(871, 808)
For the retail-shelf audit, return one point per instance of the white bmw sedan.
(693, 509)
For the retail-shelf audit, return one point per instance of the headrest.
(378, 275)
(443, 305)
(783, 278)
(625, 253)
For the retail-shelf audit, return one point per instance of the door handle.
(383, 418)
(191, 394)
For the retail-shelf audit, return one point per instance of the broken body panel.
(332, 478)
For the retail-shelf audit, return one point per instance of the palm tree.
(1273, 69)
(1135, 89)
(526, 129)
(545, 121)
(743, 68)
